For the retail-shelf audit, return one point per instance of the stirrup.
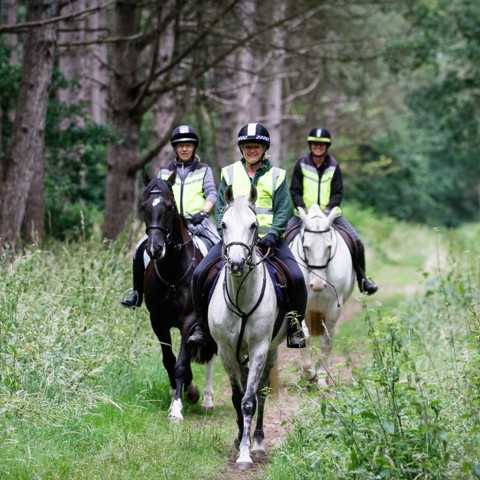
(296, 339)
(196, 336)
(132, 301)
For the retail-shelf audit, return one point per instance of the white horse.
(326, 263)
(241, 316)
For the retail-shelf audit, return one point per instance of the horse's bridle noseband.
(317, 267)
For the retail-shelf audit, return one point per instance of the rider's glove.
(198, 218)
(267, 242)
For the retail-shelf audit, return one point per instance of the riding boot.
(365, 284)
(198, 331)
(295, 336)
(136, 297)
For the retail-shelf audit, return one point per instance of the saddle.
(281, 277)
(292, 232)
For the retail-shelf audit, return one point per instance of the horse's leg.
(258, 436)
(257, 361)
(321, 367)
(208, 391)
(168, 356)
(183, 379)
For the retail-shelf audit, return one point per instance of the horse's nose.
(155, 252)
(318, 285)
(236, 267)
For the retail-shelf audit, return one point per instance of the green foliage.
(412, 411)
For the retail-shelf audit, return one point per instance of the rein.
(234, 308)
(167, 232)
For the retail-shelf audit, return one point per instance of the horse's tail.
(204, 353)
(315, 323)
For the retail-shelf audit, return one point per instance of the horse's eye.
(224, 227)
(253, 226)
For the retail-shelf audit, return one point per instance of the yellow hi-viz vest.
(189, 194)
(315, 191)
(267, 184)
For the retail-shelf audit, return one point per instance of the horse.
(326, 263)
(242, 317)
(168, 298)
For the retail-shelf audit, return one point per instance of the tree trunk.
(122, 156)
(27, 140)
(34, 220)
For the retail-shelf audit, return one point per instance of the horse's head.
(159, 208)
(317, 242)
(239, 230)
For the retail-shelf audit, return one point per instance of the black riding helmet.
(320, 135)
(253, 133)
(184, 133)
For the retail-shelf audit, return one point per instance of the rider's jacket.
(192, 185)
(321, 185)
(272, 205)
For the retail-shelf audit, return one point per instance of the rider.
(195, 194)
(273, 207)
(317, 178)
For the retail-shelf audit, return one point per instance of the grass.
(83, 393)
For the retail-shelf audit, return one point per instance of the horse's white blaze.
(326, 264)
(176, 409)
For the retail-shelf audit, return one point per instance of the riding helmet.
(184, 133)
(320, 135)
(254, 133)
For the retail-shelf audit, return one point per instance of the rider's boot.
(295, 337)
(198, 333)
(365, 284)
(135, 298)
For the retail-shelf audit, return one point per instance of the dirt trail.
(280, 410)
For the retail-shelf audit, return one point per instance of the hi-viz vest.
(189, 192)
(315, 189)
(267, 184)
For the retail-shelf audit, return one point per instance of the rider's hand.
(267, 242)
(197, 218)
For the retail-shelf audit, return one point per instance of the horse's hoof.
(207, 404)
(244, 465)
(175, 417)
(193, 395)
(258, 449)
(322, 383)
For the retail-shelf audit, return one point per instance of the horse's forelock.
(241, 209)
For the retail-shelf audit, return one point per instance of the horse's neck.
(180, 234)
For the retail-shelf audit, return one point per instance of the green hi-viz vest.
(315, 190)
(189, 193)
(267, 184)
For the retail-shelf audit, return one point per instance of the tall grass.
(412, 412)
(83, 393)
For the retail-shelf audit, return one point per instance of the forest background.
(90, 91)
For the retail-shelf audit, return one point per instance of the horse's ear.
(145, 176)
(302, 214)
(228, 194)
(253, 195)
(171, 179)
(334, 213)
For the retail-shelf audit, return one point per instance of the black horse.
(174, 256)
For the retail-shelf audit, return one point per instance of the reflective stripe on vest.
(236, 176)
(189, 195)
(315, 191)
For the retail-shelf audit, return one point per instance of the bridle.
(331, 254)
(232, 303)
(166, 230)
